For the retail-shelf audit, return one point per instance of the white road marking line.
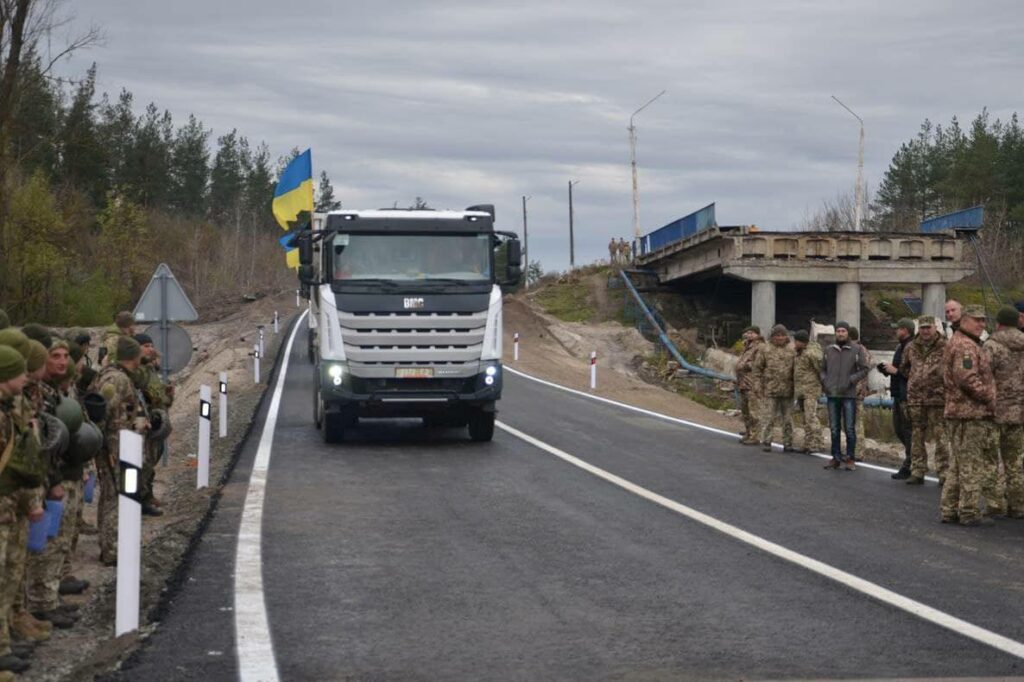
(849, 580)
(255, 650)
(677, 420)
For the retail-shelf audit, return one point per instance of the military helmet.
(54, 436)
(86, 442)
(160, 423)
(69, 411)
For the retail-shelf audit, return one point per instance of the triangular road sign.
(175, 308)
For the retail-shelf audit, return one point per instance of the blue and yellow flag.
(294, 193)
(291, 254)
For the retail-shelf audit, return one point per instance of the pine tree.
(190, 172)
(84, 160)
(227, 181)
(149, 160)
(325, 200)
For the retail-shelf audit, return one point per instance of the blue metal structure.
(677, 230)
(967, 219)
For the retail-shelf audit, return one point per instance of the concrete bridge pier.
(762, 306)
(848, 303)
(933, 300)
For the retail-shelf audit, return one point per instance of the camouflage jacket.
(154, 390)
(747, 377)
(807, 371)
(968, 380)
(776, 366)
(1006, 351)
(123, 406)
(110, 336)
(16, 424)
(43, 397)
(923, 367)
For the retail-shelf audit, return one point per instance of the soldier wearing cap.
(748, 382)
(776, 367)
(124, 411)
(1006, 350)
(124, 326)
(898, 389)
(922, 367)
(807, 387)
(157, 396)
(969, 411)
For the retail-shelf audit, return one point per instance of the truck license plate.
(414, 372)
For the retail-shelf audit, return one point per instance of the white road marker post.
(515, 346)
(260, 330)
(297, 301)
(129, 533)
(222, 411)
(203, 470)
(277, 329)
(593, 370)
(256, 363)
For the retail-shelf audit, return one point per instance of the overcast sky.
(483, 102)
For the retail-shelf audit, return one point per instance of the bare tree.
(838, 214)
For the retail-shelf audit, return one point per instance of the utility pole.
(526, 245)
(632, 161)
(572, 245)
(858, 209)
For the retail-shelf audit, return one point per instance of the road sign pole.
(163, 323)
(203, 471)
(129, 533)
(222, 412)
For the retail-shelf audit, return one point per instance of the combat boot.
(72, 585)
(23, 648)
(914, 480)
(24, 626)
(11, 664)
(903, 473)
(56, 618)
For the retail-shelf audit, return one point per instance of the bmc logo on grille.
(413, 303)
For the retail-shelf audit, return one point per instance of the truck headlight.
(336, 372)
(489, 380)
(491, 371)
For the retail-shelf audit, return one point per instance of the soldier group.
(954, 386)
(60, 414)
(619, 252)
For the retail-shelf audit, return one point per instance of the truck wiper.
(370, 281)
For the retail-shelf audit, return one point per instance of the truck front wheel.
(333, 427)
(481, 426)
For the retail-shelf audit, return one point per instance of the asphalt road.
(408, 553)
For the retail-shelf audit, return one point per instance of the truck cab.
(405, 316)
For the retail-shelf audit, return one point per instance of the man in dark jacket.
(898, 389)
(841, 369)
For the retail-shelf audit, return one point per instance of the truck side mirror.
(515, 254)
(306, 276)
(305, 251)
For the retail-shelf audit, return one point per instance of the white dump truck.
(405, 315)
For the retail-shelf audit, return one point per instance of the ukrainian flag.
(294, 193)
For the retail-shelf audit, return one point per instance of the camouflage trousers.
(750, 408)
(26, 500)
(151, 453)
(859, 416)
(66, 566)
(9, 534)
(777, 409)
(44, 570)
(812, 424)
(971, 443)
(1000, 499)
(106, 509)
(928, 424)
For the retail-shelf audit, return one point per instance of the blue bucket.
(37, 535)
(90, 487)
(54, 512)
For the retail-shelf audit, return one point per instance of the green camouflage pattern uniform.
(807, 389)
(749, 382)
(110, 336)
(923, 367)
(46, 569)
(862, 392)
(970, 397)
(776, 366)
(123, 408)
(154, 391)
(17, 498)
(1006, 351)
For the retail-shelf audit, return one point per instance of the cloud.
(469, 102)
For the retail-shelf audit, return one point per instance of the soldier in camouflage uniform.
(807, 387)
(124, 411)
(923, 366)
(776, 366)
(124, 325)
(21, 470)
(749, 384)
(970, 407)
(862, 385)
(158, 396)
(1006, 350)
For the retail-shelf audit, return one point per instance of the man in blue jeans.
(844, 365)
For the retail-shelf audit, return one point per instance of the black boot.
(72, 585)
(902, 474)
(56, 618)
(13, 664)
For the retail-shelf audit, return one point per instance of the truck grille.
(408, 338)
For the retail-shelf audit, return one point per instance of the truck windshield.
(411, 258)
